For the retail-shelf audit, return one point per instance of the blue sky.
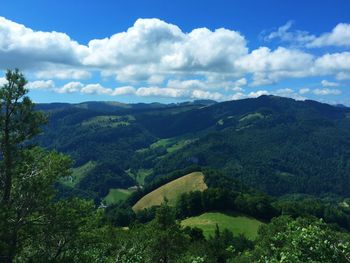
(147, 51)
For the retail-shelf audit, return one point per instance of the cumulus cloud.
(340, 36)
(255, 94)
(123, 91)
(70, 87)
(63, 73)
(200, 94)
(269, 66)
(160, 92)
(41, 84)
(324, 92)
(326, 83)
(237, 96)
(290, 93)
(177, 93)
(187, 84)
(241, 82)
(304, 90)
(74, 87)
(336, 63)
(156, 58)
(23, 47)
(285, 91)
(152, 47)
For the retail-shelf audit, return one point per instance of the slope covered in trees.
(275, 144)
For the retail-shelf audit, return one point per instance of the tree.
(18, 123)
(167, 241)
(34, 226)
(300, 240)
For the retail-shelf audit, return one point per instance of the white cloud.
(285, 91)
(241, 82)
(155, 58)
(290, 93)
(3, 81)
(41, 84)
(304, 90)
(25, 48)
(269, 66)
(70, 87)
(160, 92)
(333, 63)
(237, 96)
(74, 87)
(154, 47)
(95, 89)
(340, 36)
(206, 95)
(326, 83)
(324, 92)
(178, 93)
(187, 84)
(123, 91)
(284, 34)
(63, 73)
(237, 89)
(255, 94)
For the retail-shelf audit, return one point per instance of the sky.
(173, 51)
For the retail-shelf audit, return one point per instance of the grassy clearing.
(108, 121)
(171, 144)
(115, 195)
(237, 223)
(252, 117)
(142, 174)
(78, 174)
(171, 191)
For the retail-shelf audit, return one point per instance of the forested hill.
(274, 144)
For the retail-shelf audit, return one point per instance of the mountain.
(275, 144)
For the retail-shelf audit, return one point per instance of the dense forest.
(276, 160)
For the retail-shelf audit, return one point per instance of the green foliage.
(105, 176)
(119, 215)
(68, 232)
(277, 145)
(301, 240)
(32, 191)
(330, 211)
(18, 123)
(77, 174)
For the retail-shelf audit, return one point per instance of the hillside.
(237, 224)
(277, 145)
(172, 190)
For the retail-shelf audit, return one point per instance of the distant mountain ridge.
(110, 106)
